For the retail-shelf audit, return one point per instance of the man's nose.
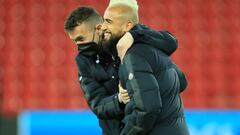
(104, 27)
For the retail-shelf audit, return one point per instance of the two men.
(98, 72)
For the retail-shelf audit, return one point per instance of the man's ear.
(98, 29)
(129, 26)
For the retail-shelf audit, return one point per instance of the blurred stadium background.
(39, 90)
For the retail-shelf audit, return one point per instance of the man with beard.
(153, 81)
(98, 68)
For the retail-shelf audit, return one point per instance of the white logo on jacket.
(130, 76)
(80, 78)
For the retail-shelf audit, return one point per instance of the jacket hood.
(162, 40)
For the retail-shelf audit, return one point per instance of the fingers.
(126, 101)
(123, 95)
(125, 98)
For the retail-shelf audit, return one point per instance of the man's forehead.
(111, 15)
(107, 14)
(116, 12)
(75, 36)
(80, 30)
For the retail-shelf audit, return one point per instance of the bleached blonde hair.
(132, 5)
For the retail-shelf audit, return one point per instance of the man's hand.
(124, 44)
(123, 95)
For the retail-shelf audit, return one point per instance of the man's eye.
(108, 21)
(79, 40)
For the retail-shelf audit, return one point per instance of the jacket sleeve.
(105, 106)
(145, 96)
(164, 39)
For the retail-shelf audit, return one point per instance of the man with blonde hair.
(151, 78)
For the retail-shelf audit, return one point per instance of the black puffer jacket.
(98, 76)
(154, 84)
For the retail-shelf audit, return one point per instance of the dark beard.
(110, 45)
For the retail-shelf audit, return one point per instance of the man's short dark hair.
(80, 15)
